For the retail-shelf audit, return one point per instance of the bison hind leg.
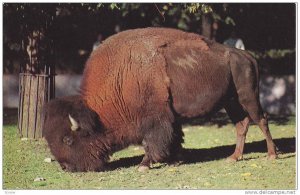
(241, 120)
(245, 77)
(241, 114)
(258, 117)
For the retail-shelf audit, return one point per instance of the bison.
(139, 86)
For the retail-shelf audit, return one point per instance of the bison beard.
(140, 85)
(70, 129)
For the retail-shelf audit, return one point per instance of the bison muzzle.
(140, 85)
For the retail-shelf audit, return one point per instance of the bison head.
(72, 131)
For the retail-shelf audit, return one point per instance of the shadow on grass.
(285, 145)
(10, 116)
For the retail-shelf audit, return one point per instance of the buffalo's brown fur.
(74, 150)
(143, 82)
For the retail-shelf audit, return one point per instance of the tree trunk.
(207, 26)
(36, 86)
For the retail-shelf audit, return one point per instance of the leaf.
(99, 5)
(229, 20)
(216, 16)
(193, 7)
(165, 7)
(48, 160)
(246, 174)
(254, 165)
(39, 179)
(114, 6)
(207, 184)
(171, 170)
(206, 9)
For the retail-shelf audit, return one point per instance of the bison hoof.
(233, 159)
(143, 168)
(272, 157)
(175, 163)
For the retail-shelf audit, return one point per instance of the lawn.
(206, 148)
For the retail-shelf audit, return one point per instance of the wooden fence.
(34, 91)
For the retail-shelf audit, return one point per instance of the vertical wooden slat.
(32, 107)
(40, 103)
(46, 91)
(24, 79)
(29, 79)
(19, 108)
(25, 106)
(53, 87)
(36, 116)
(21, 105)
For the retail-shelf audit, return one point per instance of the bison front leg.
(157, 143)
(146, 162)
(176, 156)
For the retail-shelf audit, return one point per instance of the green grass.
(205, 168)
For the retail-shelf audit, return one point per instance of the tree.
(86, 20)
(34, 29)
(37, 71)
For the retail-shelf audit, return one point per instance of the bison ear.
(74, 123)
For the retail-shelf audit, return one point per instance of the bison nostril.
(63, 166)
(68, 167)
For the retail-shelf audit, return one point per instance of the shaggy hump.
(129, 71)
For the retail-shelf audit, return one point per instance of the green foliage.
(279, 53)
(273, 53)
(126, 8)
(199, 7)
(206, 9)
(114, 6)
(74, 27)
(229, 20)
(193, 7)
(35, 16)
(23, 161)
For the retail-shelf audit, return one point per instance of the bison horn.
(74, 123)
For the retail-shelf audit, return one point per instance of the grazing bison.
(139, 86)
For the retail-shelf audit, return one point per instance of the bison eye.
(68, 140)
